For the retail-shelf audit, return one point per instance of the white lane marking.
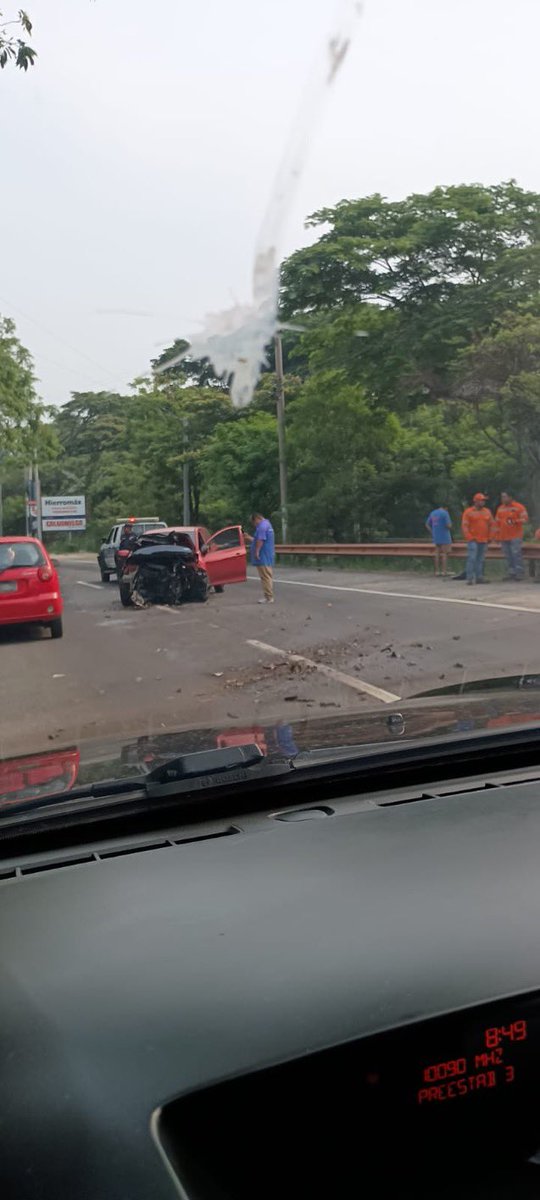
(335, 587)
(331, 673)
(116, 621)
(83, 583)
(173, 612)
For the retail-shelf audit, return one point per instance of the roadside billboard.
(61, 514)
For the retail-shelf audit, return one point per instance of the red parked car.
(29, 585)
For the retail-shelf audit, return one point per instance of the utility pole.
(29, 496)
(282, 445)
(187, 514)
(37, 495)
(2, 456)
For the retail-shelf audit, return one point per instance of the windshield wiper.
(243, 771)
(186, 773)
(203, 763)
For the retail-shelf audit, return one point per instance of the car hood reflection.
(491, 705)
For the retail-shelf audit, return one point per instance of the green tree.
(240, 470)
(339, 445)
(17, 390)
(198, 372)
(500, 380)
(169, 425)
(13, 47)
(426, 276)
(25, 429)
(264, 399)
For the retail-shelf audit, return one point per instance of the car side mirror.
(205, 548)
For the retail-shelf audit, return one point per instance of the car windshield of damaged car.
(269, 363)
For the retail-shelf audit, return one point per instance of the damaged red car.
(177, 564)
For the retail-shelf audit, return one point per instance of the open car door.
(225, 557)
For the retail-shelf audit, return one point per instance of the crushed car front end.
(162, 569)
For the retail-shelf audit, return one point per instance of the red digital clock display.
(487, 1067)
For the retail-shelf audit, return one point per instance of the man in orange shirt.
(510, 517)
(478, 529)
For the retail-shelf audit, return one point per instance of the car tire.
(105, 574)
(125, 595)
(219, 587)
(57, 628)
(200, 591)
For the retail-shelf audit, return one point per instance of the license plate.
(8, 587)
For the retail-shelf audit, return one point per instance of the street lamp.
(282, 445)
(3, 455)
(185, 473)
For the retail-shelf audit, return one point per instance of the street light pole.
(2, 456)
(187, 514)
(282, 444)
(27, 498)
(37, 494)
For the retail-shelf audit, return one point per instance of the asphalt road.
(364, 639)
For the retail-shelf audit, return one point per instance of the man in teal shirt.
(262, 554)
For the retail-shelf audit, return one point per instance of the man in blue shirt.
(439, 525)
(262, 554)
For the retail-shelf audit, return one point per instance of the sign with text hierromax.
(63, 514)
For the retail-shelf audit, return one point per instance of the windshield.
(270, 278)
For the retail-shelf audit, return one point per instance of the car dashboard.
(322, 1000)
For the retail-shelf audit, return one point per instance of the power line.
(60, 340)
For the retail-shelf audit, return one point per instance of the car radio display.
(446, 1106)
(491, 1065)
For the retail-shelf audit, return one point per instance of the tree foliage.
(425, 277)
(23, 420)
(411, 338)
(500, 378)
(14, 48)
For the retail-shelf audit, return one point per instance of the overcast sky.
(138, 154)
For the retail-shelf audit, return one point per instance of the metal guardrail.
(424, 549)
